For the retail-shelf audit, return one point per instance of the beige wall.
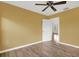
(69, 26)
(0, 28)
(20, 26)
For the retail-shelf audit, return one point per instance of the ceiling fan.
(51, 4)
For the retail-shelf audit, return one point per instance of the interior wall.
(0, 31)
(69, 29)
(19, 26)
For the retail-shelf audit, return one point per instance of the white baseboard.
(74, 46)
(11, 49)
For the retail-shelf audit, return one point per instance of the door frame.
(44, 33)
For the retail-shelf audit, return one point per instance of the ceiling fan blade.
(58, 3)
(41, 4)
(53, 8)
(45, 8)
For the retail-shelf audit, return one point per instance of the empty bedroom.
(39, 28)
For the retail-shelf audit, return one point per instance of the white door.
(48, 27)
(47, 30)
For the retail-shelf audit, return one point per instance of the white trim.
(11, 49)
(74, 46)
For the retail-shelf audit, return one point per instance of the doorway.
(50, 29)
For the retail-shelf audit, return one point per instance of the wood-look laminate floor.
(45, 49)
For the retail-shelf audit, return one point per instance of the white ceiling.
(30, 5)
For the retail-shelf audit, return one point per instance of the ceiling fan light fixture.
(51, 4)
